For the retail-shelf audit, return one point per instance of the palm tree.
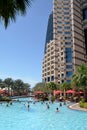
(8, 83)
(65, 86)
(26, 88)
(9, 9)
(80, 79)
(51, 86)
(18, 86)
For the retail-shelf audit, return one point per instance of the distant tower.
(84, 9)
(66, 44)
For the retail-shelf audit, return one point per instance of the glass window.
(66, 18)
(67, 38)
(59, 17)
(59, 22)
(69, 73)
(67, 32)
(52, 78)
(59, 32)
(66, 8)
(68, 52)
(68, 81)
(69, 66)
(67, 22)
(48, 79)
(60, 27)
(67, 43)
(85, 14)
(62, 75)
(66, 13)
(67, 27)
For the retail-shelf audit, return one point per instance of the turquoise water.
(17, 117)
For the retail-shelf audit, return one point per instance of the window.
(66, 18)
(67, 43)
(59, 22)
(62, 75)
(67, 27)
(68, 52)
(62, 81)
(67, 38)
(67, 32)
(59, 32)
(84, 14)
(48, 79)
(59, 27)
(66, 8)
(66, 13)
(68, 81)
(52, 78)
(69, 66)
(69, 73)
(67, 22)
(59, 17)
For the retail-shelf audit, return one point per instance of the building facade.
(66, 40)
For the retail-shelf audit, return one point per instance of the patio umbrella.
(57, 92)
(80, 92)
(2, 91)
(70, 92)
(39, 92)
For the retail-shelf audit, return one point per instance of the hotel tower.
(66, 40)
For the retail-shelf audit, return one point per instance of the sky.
(22, 44)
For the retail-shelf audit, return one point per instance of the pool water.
(17, 117)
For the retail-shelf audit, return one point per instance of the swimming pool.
(17, 117)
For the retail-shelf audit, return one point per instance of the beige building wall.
(67, 49)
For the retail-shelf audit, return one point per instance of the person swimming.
(57, 110)
(28, 106)
(60, 104)
(47, 106)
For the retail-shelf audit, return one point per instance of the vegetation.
(47, 88)
(4, 98)
(83, 104)
(9, 9)
(65, 86)
(79, 79)
(78, 83)
(14, 87)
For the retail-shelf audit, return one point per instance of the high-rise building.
(66, 40)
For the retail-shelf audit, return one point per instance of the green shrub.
(83, 104)
(5, 99)
(83, 100)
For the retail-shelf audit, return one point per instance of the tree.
(9, 9)
(39, 86)
(8, 83)
(18, 86)
(51, 86)
(80, 79)
(26, 88)
(65, 86)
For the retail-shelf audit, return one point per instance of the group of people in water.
(27, 104)
(57, 109)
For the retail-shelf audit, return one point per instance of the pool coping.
(76, 106)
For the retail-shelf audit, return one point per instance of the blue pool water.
(17, 117)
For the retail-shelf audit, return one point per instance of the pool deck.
(77, 107)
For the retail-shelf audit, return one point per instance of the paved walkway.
(77, 107)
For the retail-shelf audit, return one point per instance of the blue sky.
(22, 44)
